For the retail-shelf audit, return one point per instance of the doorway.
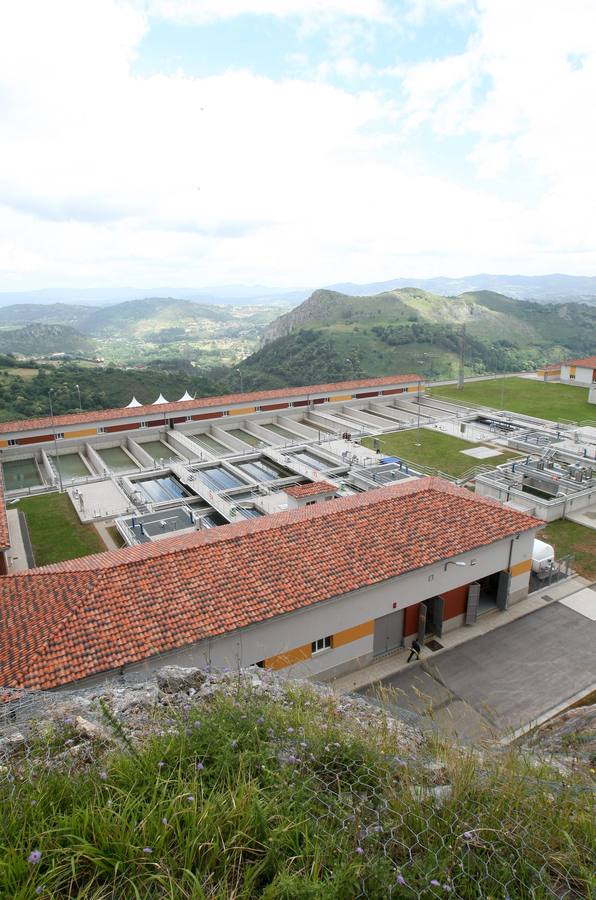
(389, 633)
(430, 618)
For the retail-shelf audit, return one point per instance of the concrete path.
(17, 555)
(504, 681)
(395, 662)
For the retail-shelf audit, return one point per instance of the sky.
(294, 143)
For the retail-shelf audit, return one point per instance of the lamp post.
(79, 393)
(238, 372)
(50, 392)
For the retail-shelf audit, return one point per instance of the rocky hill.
(412, 330)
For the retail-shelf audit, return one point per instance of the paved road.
(501, 681)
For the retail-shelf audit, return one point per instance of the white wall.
(283, 633)
(583, 375)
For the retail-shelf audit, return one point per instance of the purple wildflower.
(103, 776)
(435, 883)
(34, 857)
(199, 766)
(164, 821)
(190, 798)
(359, 851)
(447, 888)
(400, 879)
(161, 764)
(196, 723)
(290, 730)
(260, 720)
(147, 850)
(469, 835)
(39, 889)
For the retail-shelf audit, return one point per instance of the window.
(60, 435)
(12, 442)
(310, 502)
(101, 430)
(143, 425)
(321, 644)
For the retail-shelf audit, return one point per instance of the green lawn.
(557, 402)
(55, 530)
(441, 451)
(568, 537)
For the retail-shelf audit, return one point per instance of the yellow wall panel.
(85, 432)
(521, 567)
(243, 412)
(353, 634)
(298, 654)
(415, 388)
(341, 399)
(3, 443)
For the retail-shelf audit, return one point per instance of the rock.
(175, 679)
(12, 743)
(91, 730)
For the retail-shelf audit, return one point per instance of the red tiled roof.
(187, 406)
(64, 622)
(589, 362)
(4, 535)
(297, 491)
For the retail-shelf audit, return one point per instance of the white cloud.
(202, 11)
(111, 178)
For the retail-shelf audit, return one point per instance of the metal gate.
(503, 590)
(473, 601)
(389, 633)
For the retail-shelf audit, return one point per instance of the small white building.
(579, 371)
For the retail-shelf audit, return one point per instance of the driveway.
(501, 681)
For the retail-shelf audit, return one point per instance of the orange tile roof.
(589, 362)
(67, 621)
(4, 535)
(297, 491)
(187, 406)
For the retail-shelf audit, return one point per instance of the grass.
(55, 530)
(441, 451)
(557, 402)
(256, 800)
(569, 537)
(116, 536)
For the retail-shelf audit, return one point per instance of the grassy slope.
(558, 402)
(55, 530)
(442, 451)
(568, 537)
(249, 798)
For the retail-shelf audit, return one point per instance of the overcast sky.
(294, 142)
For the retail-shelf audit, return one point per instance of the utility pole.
(462, 355)
(50, 392)
(238, 372)
(79, 393)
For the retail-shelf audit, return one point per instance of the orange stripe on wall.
(243, 412)
(298, 654)
(86, 432)
(3, 443)
(353, 634)
(521, 567)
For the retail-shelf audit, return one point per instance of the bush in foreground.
(245, 796)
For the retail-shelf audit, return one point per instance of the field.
(557, 402)
(568, 537)
(441, 451)
(55, 530)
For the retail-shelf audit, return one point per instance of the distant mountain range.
(542, 288)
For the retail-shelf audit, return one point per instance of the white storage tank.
(543, 556)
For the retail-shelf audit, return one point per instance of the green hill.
(336, 335)
(42, 339)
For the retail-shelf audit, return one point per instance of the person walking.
(415, 650)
